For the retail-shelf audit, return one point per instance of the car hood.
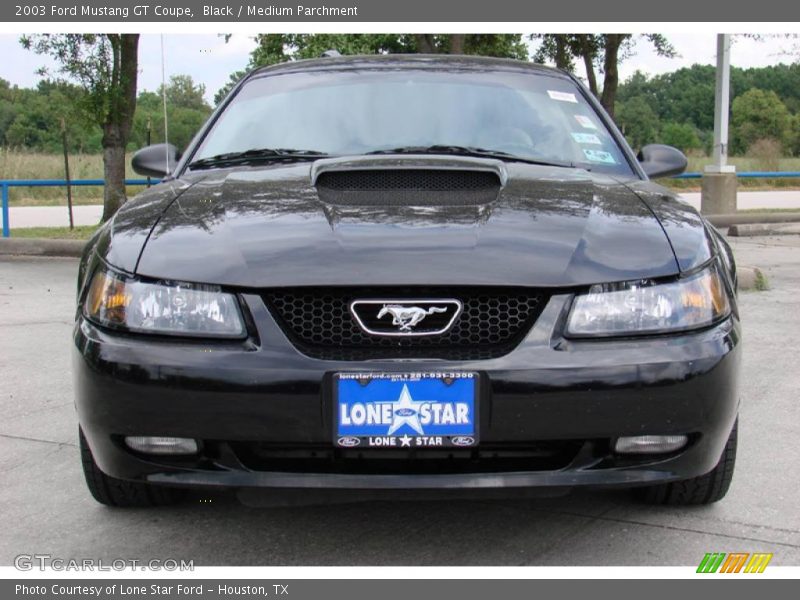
(269, 227)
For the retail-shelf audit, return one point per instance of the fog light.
(650, 444)
(161, 445)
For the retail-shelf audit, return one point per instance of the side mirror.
(659, 160)
(158, 160)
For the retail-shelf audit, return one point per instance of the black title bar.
(360, 11)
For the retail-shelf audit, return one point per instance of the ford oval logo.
(463, 440)
(349, 441)
(405, 412)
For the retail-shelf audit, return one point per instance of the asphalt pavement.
(45, 508)
(57, 216)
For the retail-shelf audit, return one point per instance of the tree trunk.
(457, 43)
(562, 52)
(588, 62)
(113, 171)
(425, 43)
(119, 119)
(613, 41)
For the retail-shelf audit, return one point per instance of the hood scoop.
(408, 181)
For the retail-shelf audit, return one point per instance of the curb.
(41, 247)
(752, 229)
(751, 278)
(745, 218)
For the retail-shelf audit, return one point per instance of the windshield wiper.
(471, 151)
(256, 155)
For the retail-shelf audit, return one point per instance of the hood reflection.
(268, 227)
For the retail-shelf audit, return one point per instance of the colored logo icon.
(734, 562)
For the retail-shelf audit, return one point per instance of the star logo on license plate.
(405, 413)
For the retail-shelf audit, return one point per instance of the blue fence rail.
(749, 175)
(7, 184)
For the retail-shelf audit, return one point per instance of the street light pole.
(721, 104)
(719, 179)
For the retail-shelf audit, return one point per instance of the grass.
(761, 283)
(37, 165)
(81, 232)
(698, 163)
(742, 163)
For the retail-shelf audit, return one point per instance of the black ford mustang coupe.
(407, 273)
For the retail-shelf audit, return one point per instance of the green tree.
(233, 79)
(500, 45)
(597, 51)
(638, 122)
(31, 118)
(783, 79)
(795, 139)
(106, 67)
(758, 114)
(559, 48)
(681, 135)
(275, 48)
(182, 91)
(9, 108)
(687, 95)
(187, 110)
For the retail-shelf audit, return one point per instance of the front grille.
(492, 323)
(408, 187)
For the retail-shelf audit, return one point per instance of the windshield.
(538, 117)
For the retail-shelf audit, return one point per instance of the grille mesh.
(319, 323)
(418, 179)
(389, 187)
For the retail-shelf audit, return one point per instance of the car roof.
(407, 61)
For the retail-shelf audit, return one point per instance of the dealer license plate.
(406, 410)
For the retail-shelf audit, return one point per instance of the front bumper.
(571, 399)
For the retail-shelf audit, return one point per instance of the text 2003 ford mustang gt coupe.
(407, 273)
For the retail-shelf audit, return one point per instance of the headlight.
(164, 308)
(639, 307)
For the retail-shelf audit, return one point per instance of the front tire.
(705, 489)
(118, 492)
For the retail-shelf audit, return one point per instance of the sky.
(210, 60)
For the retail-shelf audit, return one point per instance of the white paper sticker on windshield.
(562, 96)
(599, 156)
(586, 138)
(585, 122)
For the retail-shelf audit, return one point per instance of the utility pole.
(148, 142)
(719, 179)
(66, 172)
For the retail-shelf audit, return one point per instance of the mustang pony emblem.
(372, 315)
(407, 317)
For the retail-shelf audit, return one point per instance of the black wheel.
(117, 492)
(705, 489)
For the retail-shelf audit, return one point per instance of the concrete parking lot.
(45, 508)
